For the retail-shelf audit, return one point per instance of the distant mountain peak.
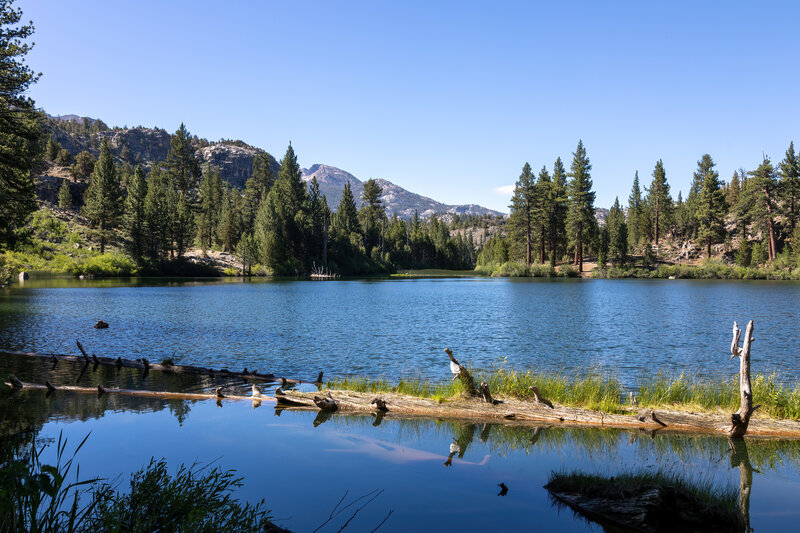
(398, 200)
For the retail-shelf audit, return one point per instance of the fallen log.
(100, 390)
(144, 364)
(532, 413)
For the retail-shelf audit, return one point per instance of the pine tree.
(256, 188)
(229, 228)
(83, 166)
(182, 226)
(247, 252)
(182, 165)
(710, 208)
(790, 187)
(635, 212)
(159, 209)
(520, 220)
(346, 219)
(581, 224)
(618, 234)
(558, 222)
(208, 210)
(758, 203)
(64, 158)
(282, 220)
(20, 132)
(135, 218)
(103, 201)
(319, 214)
(64, 196)
(545, 198)
(52, 149)
(660, 201)
(372, 215)
(732, 192)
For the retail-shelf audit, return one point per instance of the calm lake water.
(399, 327)
(302, 463)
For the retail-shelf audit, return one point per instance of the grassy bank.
(710, 269)
(512, 269)
(602, 392)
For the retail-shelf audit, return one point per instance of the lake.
(302, 463)
(435, 475)
(399, 327)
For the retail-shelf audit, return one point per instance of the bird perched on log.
(100, 390)
(633, 400)
(50, 387)
(256, 391)
(326, 404)
(279, 392)
(379, 403)
(319, 378)
(503, 489)
(218, 391)
(15, 382)
(455, 366)
(283, 382)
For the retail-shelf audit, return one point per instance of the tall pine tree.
(19, 127)
(660, 201)
(135, 215)
(759, 203)
(710, 207)
(103, 200)
(635, 212)
(581, 224)
(790, 187)
(182, 165)
(522, 212)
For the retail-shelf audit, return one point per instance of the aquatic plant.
(36, 497)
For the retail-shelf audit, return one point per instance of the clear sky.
(446, 99)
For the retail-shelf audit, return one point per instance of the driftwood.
(460, 371)
(144, 364)
(100, 390)
(741, 418)
(533, 413)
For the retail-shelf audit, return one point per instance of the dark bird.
(101, 324)
(245, 371)
(100, 390)
(319, 378)
(15, 382)
(279, 392)
(218, 390)
(503, 489)
(283, 382)
(455, 366)
(50, 386)
(379, 403)
(326, 404)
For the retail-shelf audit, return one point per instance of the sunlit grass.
(601, 391)
(776, 399)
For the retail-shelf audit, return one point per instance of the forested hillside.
(749, 224)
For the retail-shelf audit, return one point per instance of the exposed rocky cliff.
(234, 159)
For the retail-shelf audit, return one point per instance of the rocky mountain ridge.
(234, 159)
(396, 199)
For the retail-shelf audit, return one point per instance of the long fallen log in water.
(16, 384)
(144, 364)
(510, 410)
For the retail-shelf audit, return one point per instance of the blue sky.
(446, 99)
